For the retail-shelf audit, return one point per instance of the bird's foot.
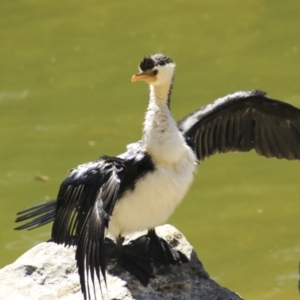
(137, 256)
(162, 252)
(134, 260)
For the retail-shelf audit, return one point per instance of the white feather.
(157, 194)
(154, 198)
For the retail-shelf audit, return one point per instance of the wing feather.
(244, 121)
(85, 202)
(84, 205)
(43, 213)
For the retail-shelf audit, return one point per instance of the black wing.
(43, 213)
(244, 121)
(85, 202)
(84, 205)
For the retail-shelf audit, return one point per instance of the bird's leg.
(120, 241)
(137, 256)
(133, 259)
(161, 251)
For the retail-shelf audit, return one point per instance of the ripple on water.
(13, 95)
(287, 254)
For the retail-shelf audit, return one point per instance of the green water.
(66, 98)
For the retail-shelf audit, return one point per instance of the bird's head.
(157, 69)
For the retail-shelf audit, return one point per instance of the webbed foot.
(133, 258)
(161, 251)
(137, 256)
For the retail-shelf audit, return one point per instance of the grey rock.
(48, 271)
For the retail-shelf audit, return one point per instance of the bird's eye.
(155, 72)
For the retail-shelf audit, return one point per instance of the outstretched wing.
(43, 213)
(244, 121)
(84, 205)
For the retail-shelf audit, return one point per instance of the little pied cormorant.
(140, 188)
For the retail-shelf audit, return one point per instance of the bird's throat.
(161, 138)
(160, 95)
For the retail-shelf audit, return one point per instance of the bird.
(140, 188)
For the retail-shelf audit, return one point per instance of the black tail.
(42, 213)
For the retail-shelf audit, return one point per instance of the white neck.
(161, 138)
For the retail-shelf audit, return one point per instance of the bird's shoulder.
(130, 165)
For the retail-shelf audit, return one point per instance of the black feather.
(42, 213)
(85, 203)
(244, 121)
(149, 62)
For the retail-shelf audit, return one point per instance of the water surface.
(66, 98)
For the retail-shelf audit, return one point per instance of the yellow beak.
(147, 76)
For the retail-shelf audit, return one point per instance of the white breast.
(157, 194)
(154, 198)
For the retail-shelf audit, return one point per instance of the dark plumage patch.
(151, 61)
(136, 169)
(85, 202)
(244, 121)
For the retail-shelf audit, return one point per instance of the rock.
(48, 271)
